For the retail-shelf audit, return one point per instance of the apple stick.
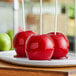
(23, 15)
(41, 17)
(56, 17)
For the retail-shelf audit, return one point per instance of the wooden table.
(7, 69)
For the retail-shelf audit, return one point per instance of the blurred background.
(65, 10)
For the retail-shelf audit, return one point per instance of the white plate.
(9, 57)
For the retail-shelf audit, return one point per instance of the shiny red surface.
(61, 45)
(19, 42)
(39, 47)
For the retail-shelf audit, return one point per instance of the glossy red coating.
(39, 47)
(61, 45)
(19, 42)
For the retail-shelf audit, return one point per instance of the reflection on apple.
(61, 45)
(39, 47)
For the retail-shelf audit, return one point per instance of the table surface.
(69, 71)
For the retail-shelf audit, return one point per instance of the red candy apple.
(39, 47)
(19, 42)
(61, 45)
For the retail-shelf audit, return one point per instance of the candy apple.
(39, 47)
(61, 45)
(19, 42)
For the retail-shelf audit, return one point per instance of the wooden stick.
(41, 17)
(56, 17)
(23, 15)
